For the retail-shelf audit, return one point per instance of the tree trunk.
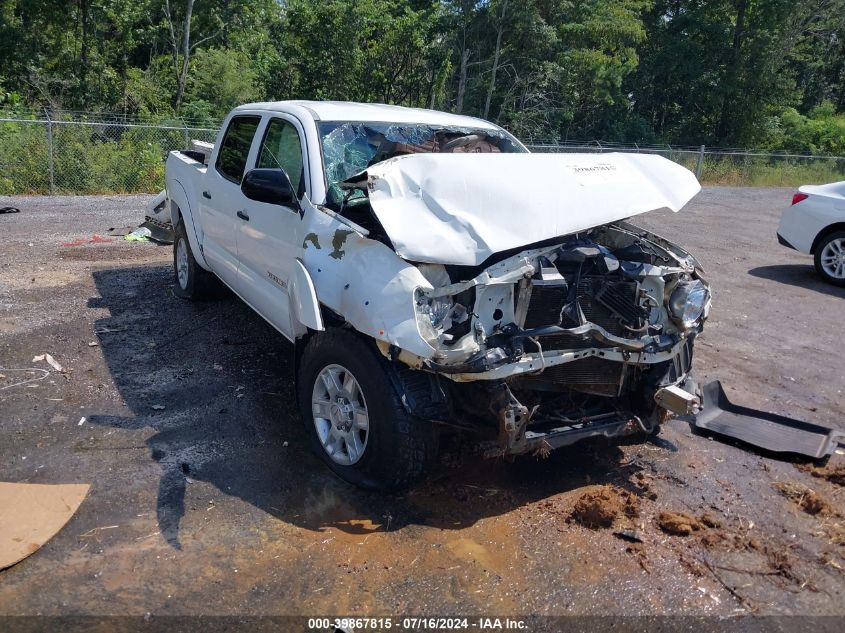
(83, 52)
(462, 81)
(496, 54)
(723, 130)
(182, 77)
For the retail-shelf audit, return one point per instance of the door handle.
(207, 195)
(243, 216)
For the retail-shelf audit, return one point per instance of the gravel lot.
(213, 505)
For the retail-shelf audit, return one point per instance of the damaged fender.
(305, 308)
(367, 283)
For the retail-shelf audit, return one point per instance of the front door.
(271, 239)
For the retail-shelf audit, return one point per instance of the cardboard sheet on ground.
(31, 514)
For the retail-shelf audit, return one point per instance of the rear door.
(222, 199)
(271, 239)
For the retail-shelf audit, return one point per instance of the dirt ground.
(205, 500)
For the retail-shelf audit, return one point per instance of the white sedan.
(815, 224)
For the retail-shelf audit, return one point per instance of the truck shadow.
(215, 384)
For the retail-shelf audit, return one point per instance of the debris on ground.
(107, 330)
(768, 431)
(632, 536)
(836, 532)
(120, 232)
(141, 234)
(81, 421)
(600, 506)
(834, 473)
(50, 361)
(158, 407)
(679, 523)
(31, 514)
(28, 370)
(807, 499)
(4, 210)
(643, 484)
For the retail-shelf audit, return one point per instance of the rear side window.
(282, 149)
(231, 159)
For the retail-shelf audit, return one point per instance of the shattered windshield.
(350, 147)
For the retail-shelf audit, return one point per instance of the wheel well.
(330, 319)
(421, 393)
(839, 226)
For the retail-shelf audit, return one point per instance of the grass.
(771, 172)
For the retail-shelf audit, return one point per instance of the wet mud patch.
(601, 506)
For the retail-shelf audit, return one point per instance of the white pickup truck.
(433, 275)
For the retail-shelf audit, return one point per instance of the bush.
(23, 158)
(87, 158)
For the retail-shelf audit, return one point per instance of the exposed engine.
(625, 292)
(586, 328)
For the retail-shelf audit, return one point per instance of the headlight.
(431, 313)
(688, 301)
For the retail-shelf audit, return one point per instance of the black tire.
(399, 447)
(817, 256)
(191, 286)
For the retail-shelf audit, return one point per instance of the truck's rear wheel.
(354, 418)
(187, 274)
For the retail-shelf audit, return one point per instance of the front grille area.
(590, 375)
(587, 371)
(545, 305)
(596, 296)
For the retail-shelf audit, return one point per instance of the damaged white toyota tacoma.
(433, 274)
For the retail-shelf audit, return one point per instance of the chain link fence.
(71, 154)
(59, 156)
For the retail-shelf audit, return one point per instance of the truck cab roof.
(369, 112)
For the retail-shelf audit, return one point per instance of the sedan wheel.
(833, 258)
(830, 258)
(340, 415)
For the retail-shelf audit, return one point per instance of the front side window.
(234, 150)
(281, 148)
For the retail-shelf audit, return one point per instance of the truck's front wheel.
(355, 420)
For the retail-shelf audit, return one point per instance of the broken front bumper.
(769, 431)
(492, 364)
(640, 406)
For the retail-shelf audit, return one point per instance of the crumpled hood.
(462, 208)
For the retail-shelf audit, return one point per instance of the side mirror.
(269, 185)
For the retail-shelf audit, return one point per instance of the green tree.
(362, 50)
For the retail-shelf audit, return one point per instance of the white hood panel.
(462, 208)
